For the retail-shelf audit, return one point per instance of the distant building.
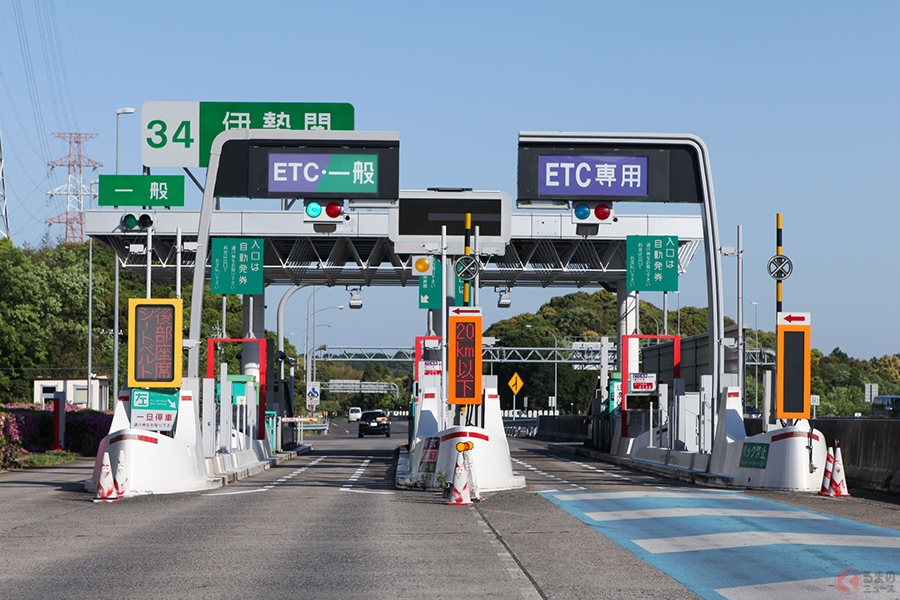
(76, 391)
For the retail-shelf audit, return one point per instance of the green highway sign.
(141, 190)
(430, 288)
(180, 134)
(651, 263)
(237, 266)
(154, 409)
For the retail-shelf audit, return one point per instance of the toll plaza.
(345, 222)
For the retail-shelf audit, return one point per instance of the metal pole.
(778, 250)
(90, 382)
(149, 256)
(756, 367)
(741, 368)
(116, 332)
(280, 321)
(178, 262)
(445, 270)
(119, 113)
(665, 313)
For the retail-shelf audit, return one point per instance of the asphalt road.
(330, 524)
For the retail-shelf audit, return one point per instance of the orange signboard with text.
(464, 355)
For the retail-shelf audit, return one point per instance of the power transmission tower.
(4, 212)
(74, 189)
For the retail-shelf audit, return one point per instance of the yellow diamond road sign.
(515, 383)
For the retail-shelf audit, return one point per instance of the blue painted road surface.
(726, 544)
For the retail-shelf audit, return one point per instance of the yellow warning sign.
(515, 383)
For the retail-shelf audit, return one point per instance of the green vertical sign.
(651, 263)
(236, 266)
(430, 288)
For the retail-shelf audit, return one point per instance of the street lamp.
(307, 328)
(119, 113)
(756, 366)
(555, 362)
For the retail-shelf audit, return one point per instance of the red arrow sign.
(465, 311)
(793, 318)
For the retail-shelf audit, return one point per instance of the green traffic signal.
(130, 221)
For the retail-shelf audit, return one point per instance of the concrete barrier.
(870, 449)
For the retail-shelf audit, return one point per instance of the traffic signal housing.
(422, 266)
(328, 212)
(584, 212)
(130, 222)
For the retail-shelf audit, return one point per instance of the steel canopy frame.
(708, 213)
(209, 200)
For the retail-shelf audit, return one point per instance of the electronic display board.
(464, 356)
(154, 342)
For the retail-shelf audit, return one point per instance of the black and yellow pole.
(778, 253)
(468, 252)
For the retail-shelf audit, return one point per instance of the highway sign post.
(180, 134)
(141, 190)
(515, 383)
(793, 368)
(312, 395)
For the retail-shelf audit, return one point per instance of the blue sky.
(796, 101)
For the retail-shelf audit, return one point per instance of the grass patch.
(44, 459)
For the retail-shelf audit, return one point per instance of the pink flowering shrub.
(34, 427)
(10, 445)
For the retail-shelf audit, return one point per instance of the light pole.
(119, 113)
(306, 329)
(555, 362)
(756, 365)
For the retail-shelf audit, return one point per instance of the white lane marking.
(233, 493)
(744, 539)
(547, 475)
(269, 487)
(356, 475)
(821, 589)
(656, 513)
(723, 495)
(364, 491)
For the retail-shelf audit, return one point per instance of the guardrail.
(304, 424)
(520, 427)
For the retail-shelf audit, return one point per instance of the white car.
(354, 414)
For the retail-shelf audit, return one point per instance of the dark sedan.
(374, 422)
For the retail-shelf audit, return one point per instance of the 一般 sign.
(141, 190)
